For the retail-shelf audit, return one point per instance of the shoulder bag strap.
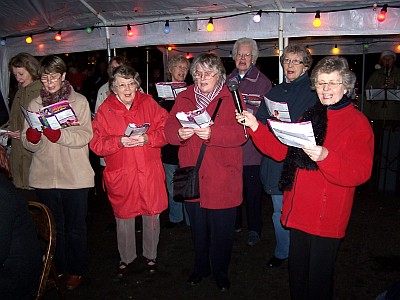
(203, 146)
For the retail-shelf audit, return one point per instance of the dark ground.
(368, 260)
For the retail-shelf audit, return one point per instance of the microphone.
(233, 87)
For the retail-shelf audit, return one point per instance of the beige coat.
(64, 164)
(20, 158)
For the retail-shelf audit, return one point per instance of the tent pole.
(280, 43)
(104, 21)
(147, 71)
(363, 80)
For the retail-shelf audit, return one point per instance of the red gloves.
(33, 136)
(52, 135)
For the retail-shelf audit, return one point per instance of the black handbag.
(185, 182)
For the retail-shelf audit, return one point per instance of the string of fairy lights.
(257, 16)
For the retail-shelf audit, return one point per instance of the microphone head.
(233, 86)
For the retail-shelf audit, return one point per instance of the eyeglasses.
(50, 78)
(244, 55)
(204, 76)
(123, 86)
(295, 62)
(330, 84)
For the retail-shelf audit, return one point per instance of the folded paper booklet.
(198, 118)
(293, 134)
(133, 129)
(278, 110)
(55, 116)
(252, 99)
(169, 90)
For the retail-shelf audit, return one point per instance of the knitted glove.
(33, 136)
(51, 134)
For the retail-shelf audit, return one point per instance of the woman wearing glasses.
(319, 181)
(60, 171)
(212, 216)
(295, 90)
(253, 85)
(134, 175)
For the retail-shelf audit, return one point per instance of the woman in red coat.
(319, 181)
(212, 216)
(134, 175)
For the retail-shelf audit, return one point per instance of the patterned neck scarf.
(62, 94)
(202, 100)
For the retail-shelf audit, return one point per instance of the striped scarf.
(202, 100)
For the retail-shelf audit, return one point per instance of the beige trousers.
(126, 238)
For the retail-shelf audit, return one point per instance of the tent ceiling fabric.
(188, 19)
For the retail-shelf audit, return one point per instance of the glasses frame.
(204, 75)
(124, 86)
(244, 55)
(295, 62)
(331, 84)
(46, 78)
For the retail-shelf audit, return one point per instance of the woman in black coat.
(20, 256)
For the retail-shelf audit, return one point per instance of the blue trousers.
(212, 233)
(282, 235)
(69, 208)
(177, 211)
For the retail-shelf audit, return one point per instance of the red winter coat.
(221, 170)
(320, 202)
(134, 177)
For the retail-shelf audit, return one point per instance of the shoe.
(151, 265)
(194, 279)
(275, 262)
(253, 239)
(122, 269)
(223, 284)
(73, 282)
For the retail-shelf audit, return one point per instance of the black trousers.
(311, 265)
(252, 192)
(212, 233)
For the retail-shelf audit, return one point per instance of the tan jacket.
(64, 164)
(20, 158)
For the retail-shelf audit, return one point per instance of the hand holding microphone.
(233, 87)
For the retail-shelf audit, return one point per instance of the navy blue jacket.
(299, 97)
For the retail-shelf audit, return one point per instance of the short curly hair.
(246, 41)
(209, 61)
(330, 64)
(300, 50)
(173, 61)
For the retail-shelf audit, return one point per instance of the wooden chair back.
(44, 221)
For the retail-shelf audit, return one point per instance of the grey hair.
(300, 50)
(125, 72)
(210, 62)
(246, 41)
(330, 64)
(173, 61)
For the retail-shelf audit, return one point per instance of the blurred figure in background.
(20, 255)
(178, 67)
(253, 85)
(25, 69)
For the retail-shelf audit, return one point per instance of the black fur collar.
(296, 157)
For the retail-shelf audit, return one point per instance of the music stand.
(383, 95)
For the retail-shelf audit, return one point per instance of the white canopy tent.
(352, 25)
